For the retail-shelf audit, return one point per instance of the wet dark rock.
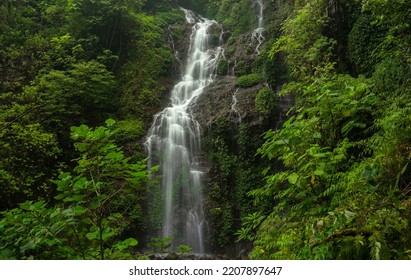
(172, 256)
(177, 256)
(217, 102)
(215, 31)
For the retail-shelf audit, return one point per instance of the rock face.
(231, 129)
(224, 99)
(223, 110)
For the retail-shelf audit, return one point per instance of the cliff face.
(223, 99)
(231, 129)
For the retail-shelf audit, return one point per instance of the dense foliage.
(343, 191)
(62, 64)
(331, 181)
(96, 203)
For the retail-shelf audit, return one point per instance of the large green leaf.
(293, 178)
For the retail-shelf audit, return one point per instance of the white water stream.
(257, 34)
(234, 107)
(173, 143)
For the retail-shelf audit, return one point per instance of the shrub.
(247, 81)
(222, 67)
(129, 131)
(265, 101)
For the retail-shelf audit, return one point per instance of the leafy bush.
(129, 130)
(171, 17)
(248, 81)
(363, 39)
(232, 13)
(265, 101)
(87, 222)
(390, 75)
(242, 68)
(222, 67)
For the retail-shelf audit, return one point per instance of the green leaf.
(97, 201)
(107, 233)
(122, 245)
(184, 249)
(292, 178)
(81, 184)
(94, 234)
(79, 131)
(79, 210)
(60, 196)
(349, 214)
(369, 172)
(74, 198)
(64, 182)
(319, 172)
(110, 122)
(131, 242)
(116, 156)
(317, 135)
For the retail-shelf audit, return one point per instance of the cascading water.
(258, 32)
(174, 144)
(234, 107)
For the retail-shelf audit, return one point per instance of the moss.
(230, 51)
(247, 81)
(391, 75)
(231, 41)
(222, 67)
(242, 68)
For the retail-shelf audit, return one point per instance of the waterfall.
(173, 143)
(258, 32)
(234, 107)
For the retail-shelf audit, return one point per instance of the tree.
(28, 156)
(88, 220)
(342, 189)
(82, 94)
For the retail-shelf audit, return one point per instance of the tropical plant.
(86, 222)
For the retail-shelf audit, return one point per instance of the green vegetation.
(265, 101)
(232, 13)
(343, 192)
(66, 66)
(235, 171)
(247, 81)
(332, 181)
(90, 214)
(222, 67)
